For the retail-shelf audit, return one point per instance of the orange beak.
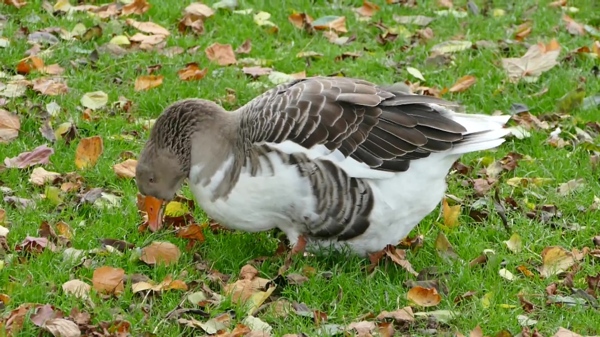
(154, 211)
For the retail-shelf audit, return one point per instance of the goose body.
(337, 161)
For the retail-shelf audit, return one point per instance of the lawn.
(545, 182)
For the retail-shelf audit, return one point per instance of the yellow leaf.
(425, 297)
(451, 214)
(175, 208)
(514, 243)
(486, 300)
(88, 151)
(120, 40)
(555, 260)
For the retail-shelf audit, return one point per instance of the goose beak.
(154, 209)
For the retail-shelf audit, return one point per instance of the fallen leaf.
(399, 257)
(452, 46)
(94, 100)
(193, 233)
(9, 126)
(555, 260)
(39, 176)
(39, 155)
(336, 23)
(277, 77)
(148, 27)
(108, 280)
(425, 297)
(450, 214)
(300, 20)
(419, 20)
(523, 30)
(221, 53)
(538, 59)
(50, 86)
(262, 19)
(88, 152)
(256, 71)
(77, 288)
(138, 7)
(150, 40)
(444, 247)
(245, 47)
(125, 169)
(415, 72)
(504, 273)
(199, 9)
(367, 9)
(570, 186)
(514, 244)
(401, 315)
(167, 284)
(160, 253)
(60, 327)
(573, 27)
(148, 82)
(463, 83)
(192, 72)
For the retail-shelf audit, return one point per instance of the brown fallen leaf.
(573, 27)
(256, 71)
(77, 288)
(199, 9)
(39, 176)
(137, 7)
(32, 245)
(125, 169)
(301, 20)
(221, 53)
(445, 3)
(50, 86)
(399, 257)
(16, 3)
(88, 152)
(148, 82)
(523, 30)
(193, 22)
(444, 247)
(538, 59)
(463, 83)
(160, 253)
(10, 125)
(555, 260)
(401, 315)
(247, 286)
(193, 233)
(39, 155)
(192, 72)
(150, 40)
(425, 297)
(167, 284)
(245, 47)
(148, 27)
(108, 280)
(336, 23)
(570, 186)
(367, 9)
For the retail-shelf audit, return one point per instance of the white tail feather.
(483, 132)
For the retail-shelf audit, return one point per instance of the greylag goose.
(331, 162)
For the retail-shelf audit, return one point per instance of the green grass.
(350, 293)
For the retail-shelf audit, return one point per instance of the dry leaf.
(50, 87)
(125, 169)
(463, 83)
(573, 27)
(514, 244)
(193, 233)
(336, 23)
(144, 39)
(300, 20)
(77, 288)
(88, 151)
(148, 27)
(199, 10)
(39, 176)
(450, 213)
(444, 247)
(523, 30)
(148, 82)
(401, 315)
(60, 327)
(399, 257)
(9, 126)
(256, 71)
(39, 155)
(138, 7)
(160, 253)
(538, 59)
(367, 9)
(167, 284)
(451, 46)
(555, 260)
(192, 72)
(245, 47)
(570, 186)
(108, 280)
(94, 100)
(425, 297)
(221, 53)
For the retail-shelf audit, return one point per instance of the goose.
(332, 162)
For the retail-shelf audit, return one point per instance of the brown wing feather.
(378, 126)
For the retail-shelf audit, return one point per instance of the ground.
(543, 213)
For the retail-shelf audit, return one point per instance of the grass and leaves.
(512, 251)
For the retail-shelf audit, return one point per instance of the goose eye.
(151, 180)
